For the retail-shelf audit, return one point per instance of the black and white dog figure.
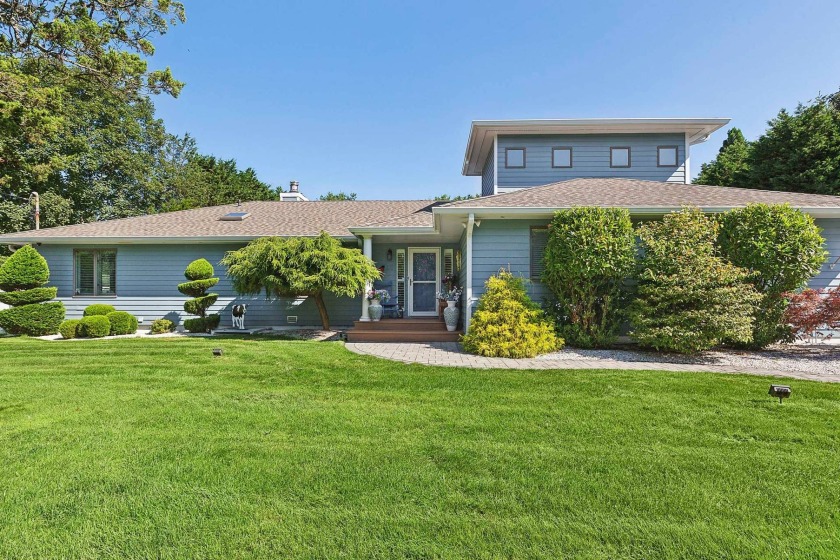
(238, 316)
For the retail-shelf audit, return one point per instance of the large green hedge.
(589, 256)
(782, 249)
(689, 299)
(508, 324)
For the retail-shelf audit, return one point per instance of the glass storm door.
(423, 274)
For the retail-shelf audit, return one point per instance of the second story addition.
(510, 155)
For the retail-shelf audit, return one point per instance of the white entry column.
(367, 250)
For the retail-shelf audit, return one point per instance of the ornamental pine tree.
(199, 274)
(22, 279)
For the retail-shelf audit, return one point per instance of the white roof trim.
(482, 133)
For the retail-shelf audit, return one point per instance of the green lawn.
(153, 448)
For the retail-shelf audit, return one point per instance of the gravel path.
(818, 363)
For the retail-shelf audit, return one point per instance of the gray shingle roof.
(265, 219)
(634, 193)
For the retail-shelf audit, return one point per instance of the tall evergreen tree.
(730, 167)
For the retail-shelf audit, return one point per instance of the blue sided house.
(528, 170)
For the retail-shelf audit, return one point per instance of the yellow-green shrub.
(508, 324)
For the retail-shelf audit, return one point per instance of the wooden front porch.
(424, 329)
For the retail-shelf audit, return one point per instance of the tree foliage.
(340, 195)
(589, 256)
(811, 310)
(781, 247)
(689, 299)
(300, 266)
(731, 166)
(508, 324)
(449, 198)
(799, 152)
(106, 41)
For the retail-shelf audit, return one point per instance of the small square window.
(620, 157)
(515, 157)
(666, 156)
(561, 157)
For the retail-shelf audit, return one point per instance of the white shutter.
(448, 261)
(401, 278)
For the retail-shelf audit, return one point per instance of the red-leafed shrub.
(811, 310)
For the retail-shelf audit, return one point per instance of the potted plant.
(451, 312)
(375, 297)
(450, 281)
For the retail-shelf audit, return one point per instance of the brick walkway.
(451, 354)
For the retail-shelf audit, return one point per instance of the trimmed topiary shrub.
(21, 278)
(26, 297)
(589, 257)
(98, 309)
(508, 324)
(782, 249)
(202, 324)
(689, 299)
(199, 273)
(122, 322)
(160, 326)
(38, 319)
(94, 326)
(70, 328)
(24, 270)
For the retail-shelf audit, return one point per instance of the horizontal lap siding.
(590, 158)
(504, 244)
(488, 179)
(147, 280)
(829, 276)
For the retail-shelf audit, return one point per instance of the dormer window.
(620, 156)
(561, 157)
(666, 156)
(515, 158)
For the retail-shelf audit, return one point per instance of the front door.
(423, 275)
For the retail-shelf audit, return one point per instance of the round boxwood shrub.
(160, 326)
(98, 309)
(70, 328)
(37, 319)
(782, 249)
(122, 322)
(199, 269)
(508, 324)
(26, 297)
(25, 269)
(95, 326)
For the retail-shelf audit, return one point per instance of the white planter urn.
(450, 315)
(375, 310)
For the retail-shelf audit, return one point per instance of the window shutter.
(448, 261)
(401, 278)
(539, 241)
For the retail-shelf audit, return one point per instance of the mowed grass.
(155, 449)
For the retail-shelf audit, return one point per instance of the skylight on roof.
(234, 216)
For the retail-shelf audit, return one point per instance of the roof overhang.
(482, 133)
(641, 211)
(13, 239)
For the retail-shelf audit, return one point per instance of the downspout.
(469, 294)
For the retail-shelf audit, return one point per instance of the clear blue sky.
(377, 98)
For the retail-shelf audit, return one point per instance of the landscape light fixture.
(780, 392)
(217, 352)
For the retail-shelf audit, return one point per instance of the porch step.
(390, 335)
(400, 325)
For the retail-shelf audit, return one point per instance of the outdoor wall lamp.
(390, 254)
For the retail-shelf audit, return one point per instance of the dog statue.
(238, 316)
